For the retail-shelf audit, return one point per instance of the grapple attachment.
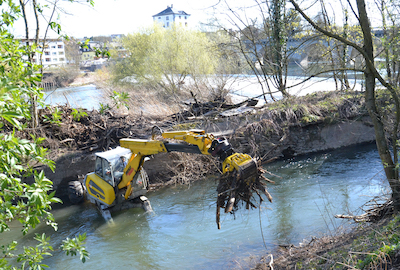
(241, 178)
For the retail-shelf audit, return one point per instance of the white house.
(53, 53)
(170, 15)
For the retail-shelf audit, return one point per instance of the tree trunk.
(279, 44)
(370, 102)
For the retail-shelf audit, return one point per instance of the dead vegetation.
(373, 210)
(240, 187)
(83, 130)
(265, 131)
(373, 244)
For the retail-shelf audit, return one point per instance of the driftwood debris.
(374, 210)
(237, 188)
(93, 131)
(217, 106)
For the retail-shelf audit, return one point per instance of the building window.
(167, 18)
(62, 59)
(167, 24)
(59, 46)
(159, 18)
(60, 53)
(53, 53)
(185, 17)
(53, 47)
(54, 59)
(185, 23)
(47, 59)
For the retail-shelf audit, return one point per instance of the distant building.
(87, 52)
(170, 15)
(53, 53)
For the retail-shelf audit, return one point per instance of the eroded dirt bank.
(280, 130)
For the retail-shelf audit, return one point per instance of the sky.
(109, 17)
(121, 16)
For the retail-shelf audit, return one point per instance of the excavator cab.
(110, 165)
(101, 185)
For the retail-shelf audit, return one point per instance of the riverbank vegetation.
(152, 90)
(20, 202)
(369, 246)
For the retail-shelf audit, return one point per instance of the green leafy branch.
(118, 100)
(77, 114)
(76, 246)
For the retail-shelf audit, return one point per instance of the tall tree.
(366, 49)
(279, 42)
(46, 12)
(262, 30)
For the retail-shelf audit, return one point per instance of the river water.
(241, 87)
(86, 96)
(182, 233)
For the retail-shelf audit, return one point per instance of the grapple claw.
(241, 179)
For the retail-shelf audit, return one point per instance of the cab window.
(107, 172)
(99, 167)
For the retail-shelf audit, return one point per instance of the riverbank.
(295, 127)
(368, 246)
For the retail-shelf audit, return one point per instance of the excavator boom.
(239, 170)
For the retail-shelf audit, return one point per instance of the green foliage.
(33, 256)
(118, 100)
(77, 114)
(20, 201)
(389, 243)
(74, 246)
(17, 81)
(55, 116)
(103, 108)
(165, 57)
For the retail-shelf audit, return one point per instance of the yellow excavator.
(119, 180)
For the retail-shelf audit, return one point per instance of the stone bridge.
(308, 49)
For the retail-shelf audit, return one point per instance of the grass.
(319, 107)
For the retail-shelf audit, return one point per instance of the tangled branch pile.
(374, 210)
(63, 127)
(238, 187)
